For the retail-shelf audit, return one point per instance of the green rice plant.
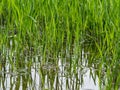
(63, 28)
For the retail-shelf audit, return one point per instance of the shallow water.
(32, 75)
(62, 82)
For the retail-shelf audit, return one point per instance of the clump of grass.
(64, 26)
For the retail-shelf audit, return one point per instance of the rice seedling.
(54, 29)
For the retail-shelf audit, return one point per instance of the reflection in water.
(35, 79)
(34, 76)
(88, 83)
(63, 81)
